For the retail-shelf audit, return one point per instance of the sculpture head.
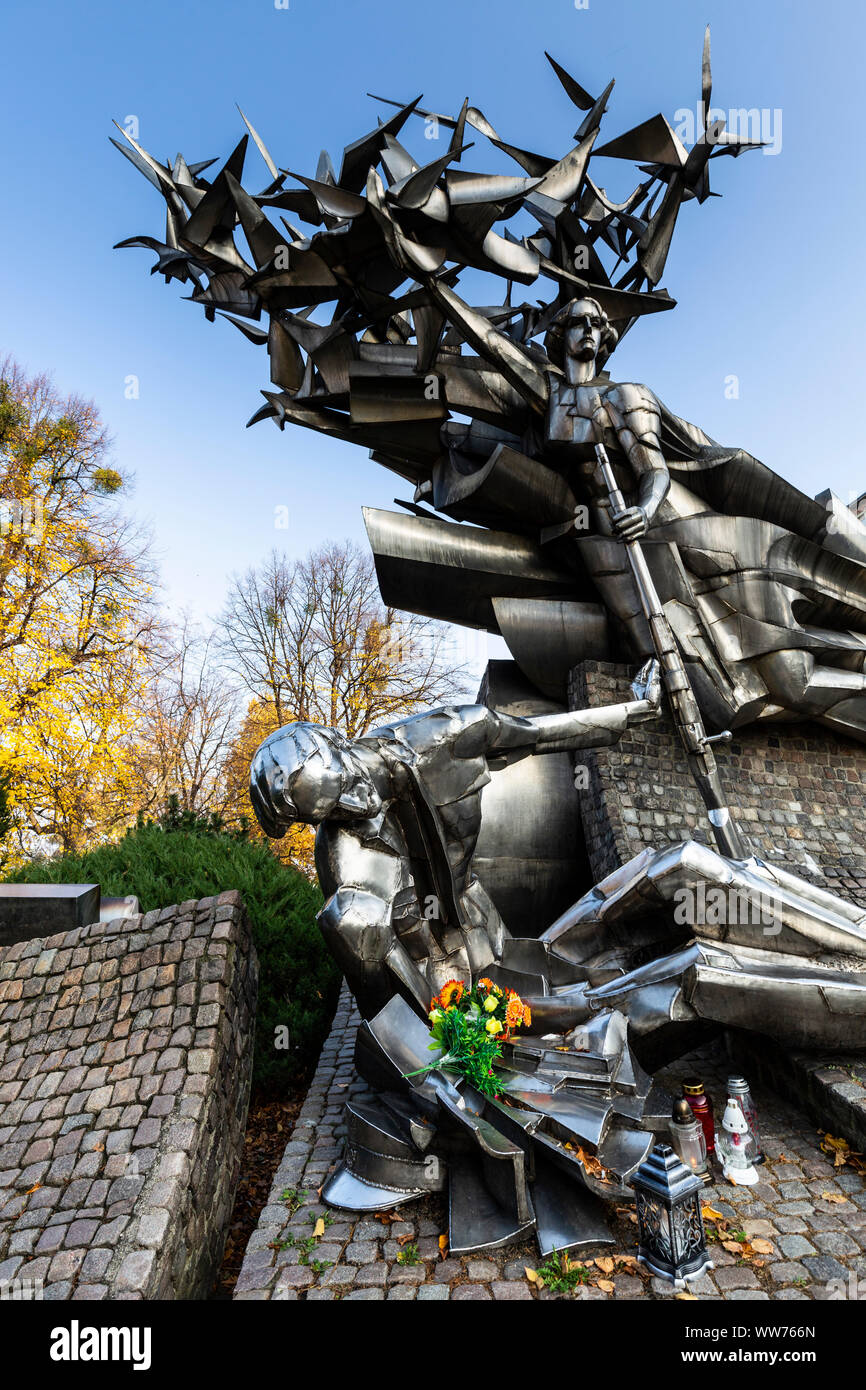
(581, 331)
(306, 772)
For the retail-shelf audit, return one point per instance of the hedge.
(166, 864)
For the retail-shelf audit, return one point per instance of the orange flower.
(451, 993)
(527, 1016)
(514, 1014)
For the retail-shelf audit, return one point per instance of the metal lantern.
(670, 1225)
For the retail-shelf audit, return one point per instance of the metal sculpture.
(400, 815)
(763, 587)
(618, 984)
(579, 518)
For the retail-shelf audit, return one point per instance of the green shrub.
(164, 864)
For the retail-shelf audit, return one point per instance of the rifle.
(687, 715)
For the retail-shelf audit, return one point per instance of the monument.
(576, 516)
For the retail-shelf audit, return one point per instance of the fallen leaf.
(443, 1247)
(319, 1228)
(734, 1247)
(590, 1163)
(838, 1197)
(762, 1247)
(401, 1240)
(533, 1276)
(35, 1188)
(710, 1214)
(842, 1153)
(606, 1285)
(605, 1264)
(691, 1297)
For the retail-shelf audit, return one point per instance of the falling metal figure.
(399, 812)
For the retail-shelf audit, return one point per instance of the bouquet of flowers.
(469, 1026)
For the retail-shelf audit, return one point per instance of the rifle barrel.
(687, 714)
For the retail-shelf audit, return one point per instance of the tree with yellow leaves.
(77, 625)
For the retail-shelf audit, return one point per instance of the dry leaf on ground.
(710, 1214)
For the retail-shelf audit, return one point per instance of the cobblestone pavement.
(812, 1216)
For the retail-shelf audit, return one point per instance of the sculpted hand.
(631, 524)
(647, 684)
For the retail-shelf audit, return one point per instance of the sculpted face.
(583, 332)
(307, 773)
(341, 790)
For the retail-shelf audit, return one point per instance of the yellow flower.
(493, 1026)
(490, 1003)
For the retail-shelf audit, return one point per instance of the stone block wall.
(125, 1064)
(798, 791)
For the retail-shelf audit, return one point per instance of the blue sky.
(768, 278)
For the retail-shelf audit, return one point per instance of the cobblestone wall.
(797, 791)
(125, 1063)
